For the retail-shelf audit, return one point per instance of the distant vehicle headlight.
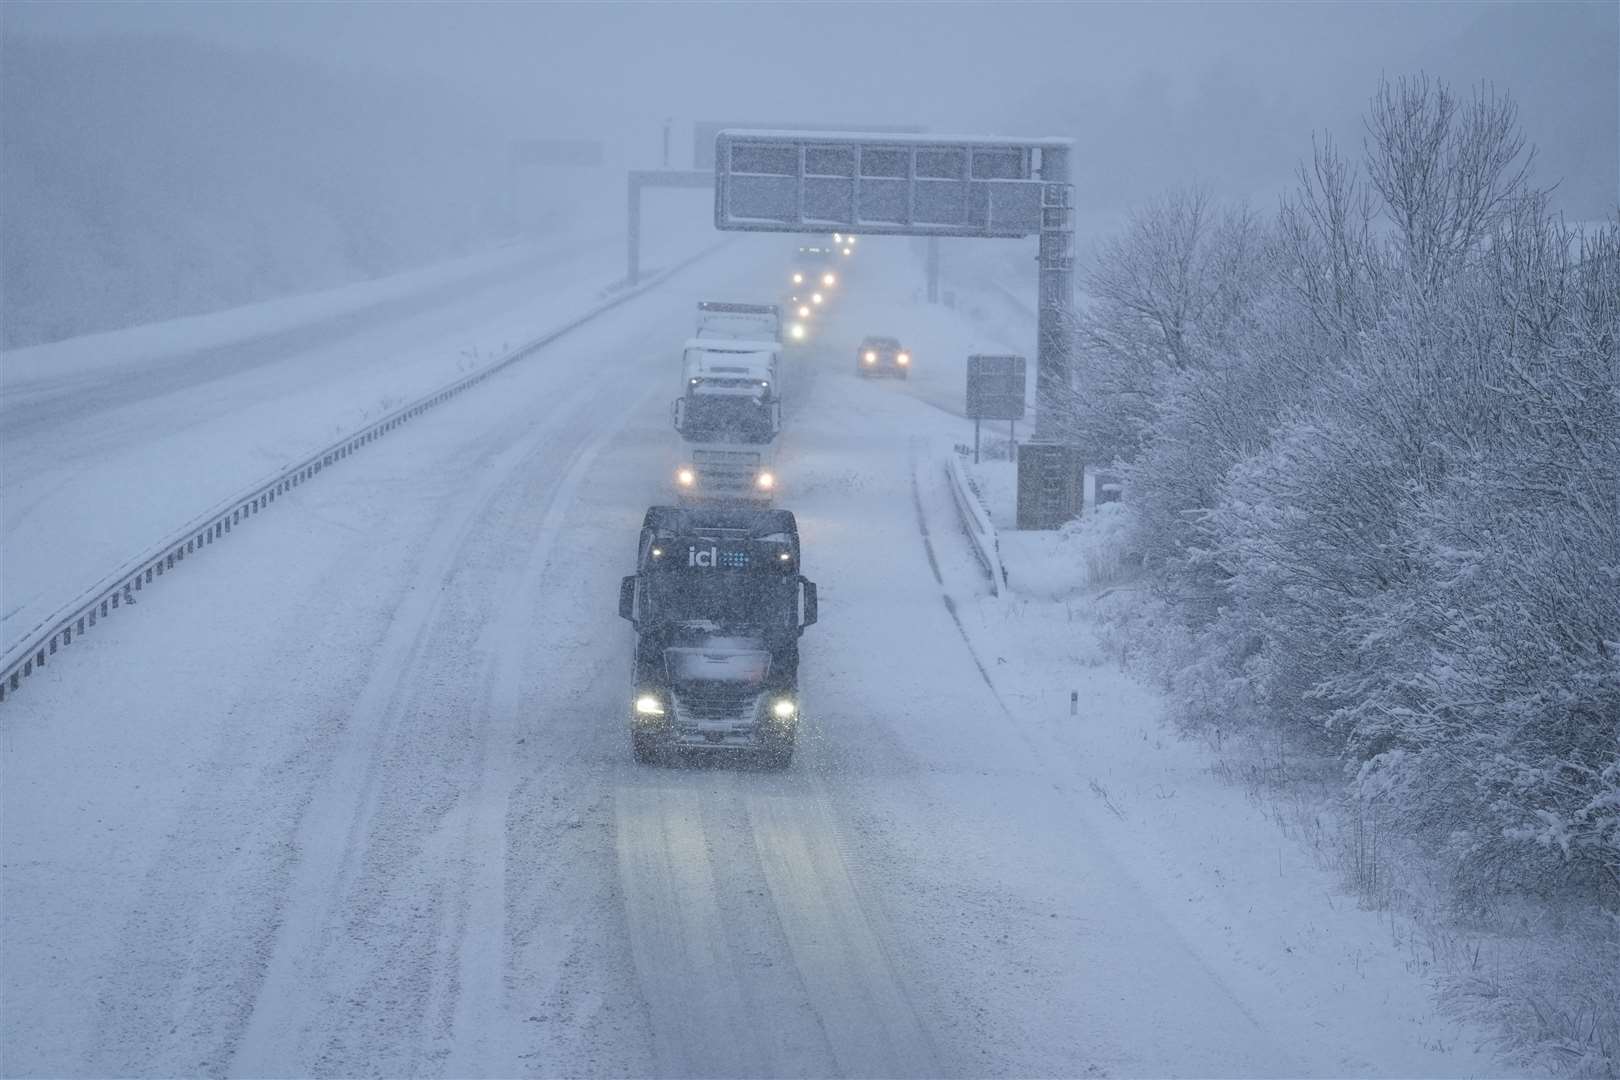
(871, 357)
(846, 251)
(647, 705)
(796, 331)
(829, 280)
(903, 359)
(815, 298)
(798, 279)
(686, 477)
(784, 709)
(804, 311)
(765, 481)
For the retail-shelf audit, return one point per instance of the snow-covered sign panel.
(995, 387)
(1049, 485)
(907, 185)
(704, 131)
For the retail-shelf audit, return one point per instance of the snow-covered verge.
(1080, 608)
(1376, 515)
(1261, 898)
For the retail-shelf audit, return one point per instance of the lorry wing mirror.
(627, 598)
(809, 601)
(677, 413)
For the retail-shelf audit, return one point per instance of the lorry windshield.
(762, 603)
(718, 418)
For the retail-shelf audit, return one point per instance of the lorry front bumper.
(700, 725)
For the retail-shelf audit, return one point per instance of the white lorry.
(728, 418)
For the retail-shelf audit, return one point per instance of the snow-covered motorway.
(110, 442)
(353, 794)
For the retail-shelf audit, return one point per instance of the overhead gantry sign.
(920, 185)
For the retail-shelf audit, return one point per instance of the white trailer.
(750, 322)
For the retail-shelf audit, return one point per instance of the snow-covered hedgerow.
(1372, 448)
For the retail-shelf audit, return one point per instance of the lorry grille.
(713, 700)
(726, 459)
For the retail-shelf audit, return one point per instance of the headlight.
(686, 478)
(815, 298)
(804, 311)
(647, 705)
(871, 357)
(798, 279)
(903, 359)
(796, 331)
(829, 280)
(838, 238)
(783, 709)
(764, 481)
(846, 251)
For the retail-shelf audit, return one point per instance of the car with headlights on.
(882, 356)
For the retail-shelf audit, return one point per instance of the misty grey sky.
(1157, 94)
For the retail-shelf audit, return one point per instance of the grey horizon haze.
(1227, 92)
(157, 103)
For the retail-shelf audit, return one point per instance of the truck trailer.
(728, 319)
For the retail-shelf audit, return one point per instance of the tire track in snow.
(291, 996)
(693, 981)
(484, 952)
(870, 1023)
